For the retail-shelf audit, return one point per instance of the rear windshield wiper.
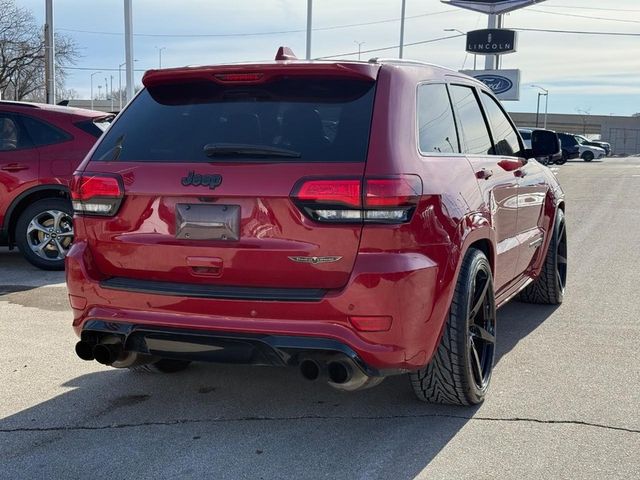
(114, 152)
(242, 150)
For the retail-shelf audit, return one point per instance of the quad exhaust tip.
(107, 353)
(339, 374)
(84, 350)
(310, 369)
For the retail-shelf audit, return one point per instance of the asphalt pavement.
(563, 404)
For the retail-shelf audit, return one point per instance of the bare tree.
(22, 54)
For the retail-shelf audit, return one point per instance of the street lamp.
(546, 106)
(359, 47)
(94, 73)
(475, 57)
(160, 55)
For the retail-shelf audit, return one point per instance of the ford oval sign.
(505, 84)
(497, 83)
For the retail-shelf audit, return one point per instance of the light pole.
(128, 46)
(546, 105)
(50, 54)
(309, 23)
(475, 57)
(402, 17)
(160, 55)
(359, 47)
(120, 84)
(94, 73)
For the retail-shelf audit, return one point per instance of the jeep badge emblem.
(314, 260)
(195, 180)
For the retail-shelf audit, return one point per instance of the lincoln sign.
(491, 41)
(492, 7)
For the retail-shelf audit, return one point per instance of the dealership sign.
(491, 41)
(493, 7)
(505, 84)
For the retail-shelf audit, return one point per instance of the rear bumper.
(405, 286)
(224, 347)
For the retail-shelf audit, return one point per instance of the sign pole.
(489, 62)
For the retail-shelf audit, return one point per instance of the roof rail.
(402, 61)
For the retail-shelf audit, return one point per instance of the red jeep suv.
(354, 220)
(40, 147)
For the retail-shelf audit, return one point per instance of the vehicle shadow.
(18, 275)
(221, 421)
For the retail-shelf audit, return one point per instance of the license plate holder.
(207, 222)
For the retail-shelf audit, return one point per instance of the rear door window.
(293, 119)
(471, 123)
(12, 134)
(42, 133)
(505, 138)
(436, 125)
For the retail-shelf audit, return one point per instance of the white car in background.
(588, 151)
(593, 143)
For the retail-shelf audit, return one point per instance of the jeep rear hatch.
(194, 182)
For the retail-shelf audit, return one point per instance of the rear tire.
(44, 233)
(587, 156)
(164, 365)
(549, 287)
(460, 371)
(564, 159)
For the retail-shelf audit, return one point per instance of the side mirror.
(544, 143)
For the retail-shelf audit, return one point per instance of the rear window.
(95, 127)
(293, 119)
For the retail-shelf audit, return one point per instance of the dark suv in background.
(570, 146)
(40, 147)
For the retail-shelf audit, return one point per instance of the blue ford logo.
(496, 83)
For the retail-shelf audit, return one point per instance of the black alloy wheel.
(460, 371)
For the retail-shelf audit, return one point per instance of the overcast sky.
(599, 74)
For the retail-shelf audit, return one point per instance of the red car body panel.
(405, 271)
(27, 170)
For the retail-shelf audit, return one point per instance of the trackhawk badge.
(314, 260)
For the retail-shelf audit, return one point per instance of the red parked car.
(40, 147)
(354, 220)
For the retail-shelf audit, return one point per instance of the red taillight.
(382, 200)
(392, 192)
(346, 192)
(96, 193)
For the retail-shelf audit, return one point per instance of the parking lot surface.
(564, 399)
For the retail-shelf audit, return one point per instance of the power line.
(254, 34)
(433, 40)
(578, 32)
(371, 50)
(594, 8)
(590, 17)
